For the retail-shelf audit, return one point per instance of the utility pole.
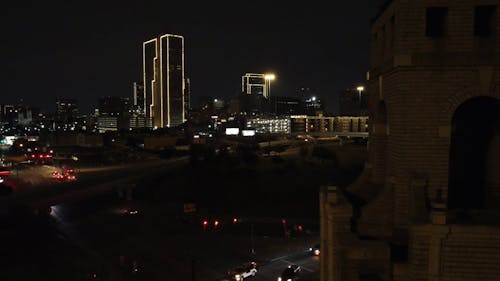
(252, 241)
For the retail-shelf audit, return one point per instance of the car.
(241, 272)
(64, 175)
(291, 273)
(4, 172)
(315, 251)
(131, 212)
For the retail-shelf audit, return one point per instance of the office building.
(113, 114)
(257, 84)
(66, 110)
(139, 101)
(273, 125)
(164, 84)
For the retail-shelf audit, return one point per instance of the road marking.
(303, 267)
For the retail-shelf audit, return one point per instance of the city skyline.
(102, 57)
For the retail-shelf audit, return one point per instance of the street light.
(360, 90)
(269, 77)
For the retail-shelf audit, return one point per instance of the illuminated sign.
(232, 131)
(248, 133)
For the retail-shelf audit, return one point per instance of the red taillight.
(4, 173)
(235, 220)
(216, 223)
(32, 155)
(205, 223)
(299, 227)
(283, 221)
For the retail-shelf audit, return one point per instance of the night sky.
(83, 50)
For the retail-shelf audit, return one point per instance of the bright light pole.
(360, 90)
(269, 77)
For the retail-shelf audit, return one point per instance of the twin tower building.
(164, 82)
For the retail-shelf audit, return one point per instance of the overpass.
(41, 195)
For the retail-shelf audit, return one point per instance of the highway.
(145, 239)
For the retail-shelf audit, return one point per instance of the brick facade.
(417, 84)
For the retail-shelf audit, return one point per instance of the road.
(35, 186)
(152, 242)
(165, 246)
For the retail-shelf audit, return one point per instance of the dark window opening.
(484, 21)
(399, 253)
(436, 21)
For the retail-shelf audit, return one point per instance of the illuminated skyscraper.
(164, 85)
(257, 84)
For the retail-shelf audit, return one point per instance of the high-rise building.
(113, 113)
(113, 106)
(66, 110)
(187, 97)
(139, 102)
(164, 84)
(257, 84)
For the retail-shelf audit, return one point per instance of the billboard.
(232, 131)
(248, 133)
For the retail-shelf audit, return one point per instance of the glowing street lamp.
(360, 90)
(269, 77)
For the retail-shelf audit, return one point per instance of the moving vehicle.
(241, 272)
(65, 174)
(3, 173)
(315, 250)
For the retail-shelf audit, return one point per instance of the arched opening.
(475, 124)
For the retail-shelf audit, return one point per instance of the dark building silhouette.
(113, 113)
(66, 110)
(280, 105)
(353, 102)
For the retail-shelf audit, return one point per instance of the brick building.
(427, 206)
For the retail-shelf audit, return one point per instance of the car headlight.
(237, 277)
(279, 278)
